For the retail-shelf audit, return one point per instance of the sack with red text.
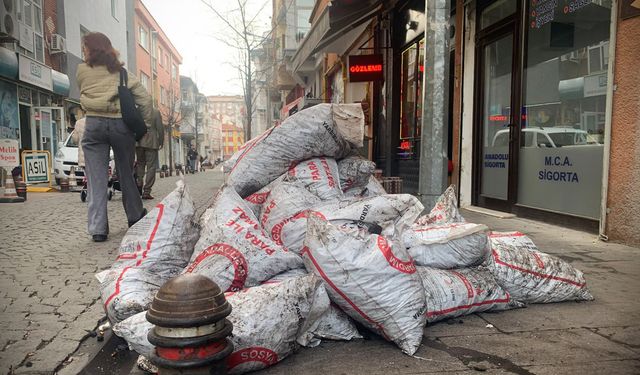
(453, 293)
(517, 239)
(330, 130)
(355, 172)
(334, 324)
(531, 276)
(152, 251)
(372, 214)
(319, 176)
(373, 188)
(445, 210)
(447, 246)
(371, 278)
(233, 251)
(257, 199)
(287, 203)
(269, 323)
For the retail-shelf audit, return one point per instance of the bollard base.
(214, 369)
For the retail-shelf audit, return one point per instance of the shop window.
(564, 101)
(412, 69)
(497, 11)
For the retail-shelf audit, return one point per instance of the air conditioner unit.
(58, 44)
(8, 21)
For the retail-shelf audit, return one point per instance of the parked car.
(67, 157)
(545, 137)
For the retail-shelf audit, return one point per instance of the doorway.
(496, 121)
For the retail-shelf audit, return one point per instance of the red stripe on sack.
(402, 266)
(508, 234)
(117, 289)
(258, 198)
(538, 259)
(452, 225)
(160, 207)
(305, 250)
(127, 256)
(452, 309)
(497, 259)
(240, 266)
(466, 283)
(276, 231)
(255, 354)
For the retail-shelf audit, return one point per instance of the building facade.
(511, 101)
(156, 64)
(232, 139)
(33, 85)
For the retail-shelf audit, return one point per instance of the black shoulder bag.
(131, 115)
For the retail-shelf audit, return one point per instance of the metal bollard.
(189, 312)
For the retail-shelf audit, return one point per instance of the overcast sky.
(191, 26)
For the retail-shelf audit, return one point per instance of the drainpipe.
(433, 142)
(607, 122)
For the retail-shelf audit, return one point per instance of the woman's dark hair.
(101, 52)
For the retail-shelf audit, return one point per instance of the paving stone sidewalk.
(49, 298)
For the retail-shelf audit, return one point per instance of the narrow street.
(49, 297)
(50, 302)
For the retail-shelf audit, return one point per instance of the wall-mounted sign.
(35, 73)
(364, 68)
(9, 156)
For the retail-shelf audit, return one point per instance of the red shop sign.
(364, 68)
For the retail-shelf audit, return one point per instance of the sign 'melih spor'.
(364, 68)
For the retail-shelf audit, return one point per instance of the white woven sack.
(447, 246)
(233, 250)
(370, 278)
(330, 130)
(453, 293)
(152, 251)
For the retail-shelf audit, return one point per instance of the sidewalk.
(598, 337)
(49, 297)
(49, 300)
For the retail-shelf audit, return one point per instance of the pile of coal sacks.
(305, 241)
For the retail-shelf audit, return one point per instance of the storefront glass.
(564, 95)
(497, 64)
(412, 70)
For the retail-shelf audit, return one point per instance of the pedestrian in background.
(98, 78)
(192, 157)
(147, 155)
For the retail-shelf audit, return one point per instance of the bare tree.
(173, 118)
(245, 40)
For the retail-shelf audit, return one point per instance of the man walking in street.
(147, 155)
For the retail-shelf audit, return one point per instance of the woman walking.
(98, 78)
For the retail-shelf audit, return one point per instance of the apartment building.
(156, 63)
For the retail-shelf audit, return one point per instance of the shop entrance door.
(494, 125)
(496, 110)
(47, 128)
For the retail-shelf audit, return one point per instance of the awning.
(61, 83)
(336, 23)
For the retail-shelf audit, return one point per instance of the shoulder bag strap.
(124, 77)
